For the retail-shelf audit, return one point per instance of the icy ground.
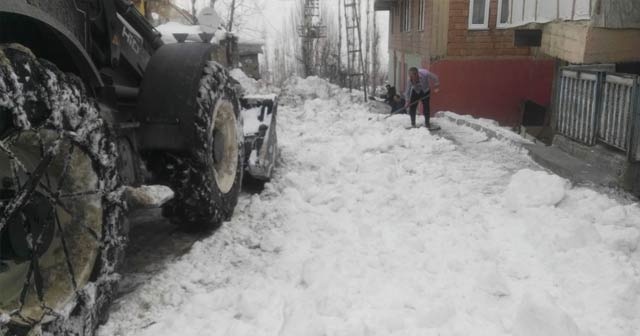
(372, 229)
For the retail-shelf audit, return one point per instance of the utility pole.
(355, 61)
(232, 11)
(375, 56)
(367, 55)
(310, 30)
(339, 74)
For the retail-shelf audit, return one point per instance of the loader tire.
(61, 232)
(207, 179)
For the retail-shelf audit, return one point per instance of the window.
(504, 13)
(479, 14)
(421, 13)
(405, 16)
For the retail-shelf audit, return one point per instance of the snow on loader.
(94, 108)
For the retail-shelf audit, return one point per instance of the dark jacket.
(391, 92)
(396, 106)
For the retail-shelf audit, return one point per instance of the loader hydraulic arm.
(124, 36)
(120, 33)
(132, 16)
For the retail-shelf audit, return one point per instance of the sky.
(270, 19)
(370, 228)
(276, 12)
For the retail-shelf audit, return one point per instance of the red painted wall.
(492, 89)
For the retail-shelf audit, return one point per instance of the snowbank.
(534, 189)
(254, 87)
(297, 90)
(368, 228)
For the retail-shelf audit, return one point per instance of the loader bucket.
(261, 144)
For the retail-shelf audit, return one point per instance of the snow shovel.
(431, 128)
(378, 107)
(400, 109)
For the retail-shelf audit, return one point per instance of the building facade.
(482, 72)
(580, 31)
(579, 59)
(494, 55)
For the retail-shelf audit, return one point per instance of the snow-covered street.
(372, 229)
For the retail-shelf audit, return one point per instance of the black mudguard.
(70, 47)
(168, 96)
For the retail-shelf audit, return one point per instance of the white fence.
(577, 110)
(593, 106)
(618, 105)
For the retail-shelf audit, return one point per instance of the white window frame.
(509, 19)
(421, 11)
(485, 24)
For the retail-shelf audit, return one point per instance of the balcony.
(581, 43)
(581, 31)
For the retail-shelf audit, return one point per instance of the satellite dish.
(209, 20)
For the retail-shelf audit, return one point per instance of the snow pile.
(149, 196)
(297, 90)
(248, 83)
(530, 188)
(252, 86)
(371, 229)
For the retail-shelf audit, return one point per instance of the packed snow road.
(372, 229)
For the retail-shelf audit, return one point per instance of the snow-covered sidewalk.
(372, 229)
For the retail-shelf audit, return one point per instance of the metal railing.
(578, 105)
(594, 106)
(618, 105)
(634, 151)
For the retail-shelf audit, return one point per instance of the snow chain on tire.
(200, 202)
(67, 173)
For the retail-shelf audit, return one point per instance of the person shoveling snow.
(419, 90)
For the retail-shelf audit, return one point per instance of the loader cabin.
(244, 55)
(249, 58)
